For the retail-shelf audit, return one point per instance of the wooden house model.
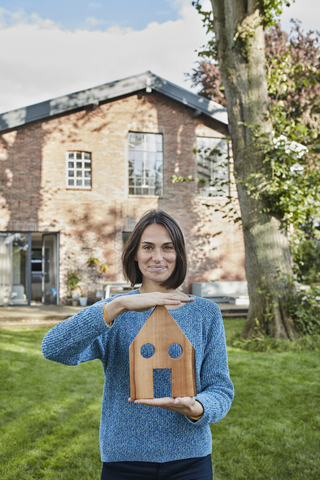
(161, 331)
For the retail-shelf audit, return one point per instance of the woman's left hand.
(185, 405)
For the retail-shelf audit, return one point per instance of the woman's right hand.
(142, 302)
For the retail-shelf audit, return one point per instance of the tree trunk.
(242, 65)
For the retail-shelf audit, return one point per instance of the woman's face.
(156, 255)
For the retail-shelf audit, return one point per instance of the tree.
(238, 47)
(293, 74)
(301, 95)
(207, 76)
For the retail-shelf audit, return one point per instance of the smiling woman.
(156, 245)
(156, 257)
(172, 440)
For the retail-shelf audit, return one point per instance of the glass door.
(14, 268)
(5, 268)
(49, 273)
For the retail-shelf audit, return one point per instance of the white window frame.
(206, 190)
(76, 169)
(147, 182)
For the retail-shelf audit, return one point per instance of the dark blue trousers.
(188, 469)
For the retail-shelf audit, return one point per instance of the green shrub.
(307, 261)
(304, 308)
(265, 343)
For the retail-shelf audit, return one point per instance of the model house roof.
(93, 96)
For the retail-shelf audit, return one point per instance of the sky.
(55, 47)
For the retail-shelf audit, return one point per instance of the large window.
(212, 166)
(78, 170)
(145, 163)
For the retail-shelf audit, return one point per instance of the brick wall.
(34, 196)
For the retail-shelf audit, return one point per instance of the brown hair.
(130, 266)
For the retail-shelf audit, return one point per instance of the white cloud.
(42, 61)
(8, 18)
(95, 5)
(94, 21)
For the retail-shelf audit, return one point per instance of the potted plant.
(72, 283)
(98, 270)
(83, 299)
(69, 298)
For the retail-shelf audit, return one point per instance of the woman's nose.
(157, 255)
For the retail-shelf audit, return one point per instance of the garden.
(49, 413)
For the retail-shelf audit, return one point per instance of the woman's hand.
(142, 302)
(145, 301)
(184, 405)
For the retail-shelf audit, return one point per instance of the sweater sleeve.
(217, 389)
(77, 339)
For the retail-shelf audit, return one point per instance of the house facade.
(77, 172)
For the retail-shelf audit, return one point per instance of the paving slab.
(36, 315)
(46, 315)
(231, 310)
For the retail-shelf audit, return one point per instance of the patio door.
(29, 268)
(49, 274)
(15, 268)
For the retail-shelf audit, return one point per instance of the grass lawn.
(49, 414)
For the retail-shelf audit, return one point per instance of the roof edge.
(108, 91)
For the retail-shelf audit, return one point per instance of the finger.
(166, 301)
(187, 299)
(181, 298)
(155, 402)
(162, 297)
(184, 401)
(166, 403)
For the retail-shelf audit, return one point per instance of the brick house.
(77, 172)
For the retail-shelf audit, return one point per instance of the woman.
(162, 438)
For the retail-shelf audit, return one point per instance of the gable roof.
(93, 96)
(161, 326)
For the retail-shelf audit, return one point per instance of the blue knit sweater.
(132, 432)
